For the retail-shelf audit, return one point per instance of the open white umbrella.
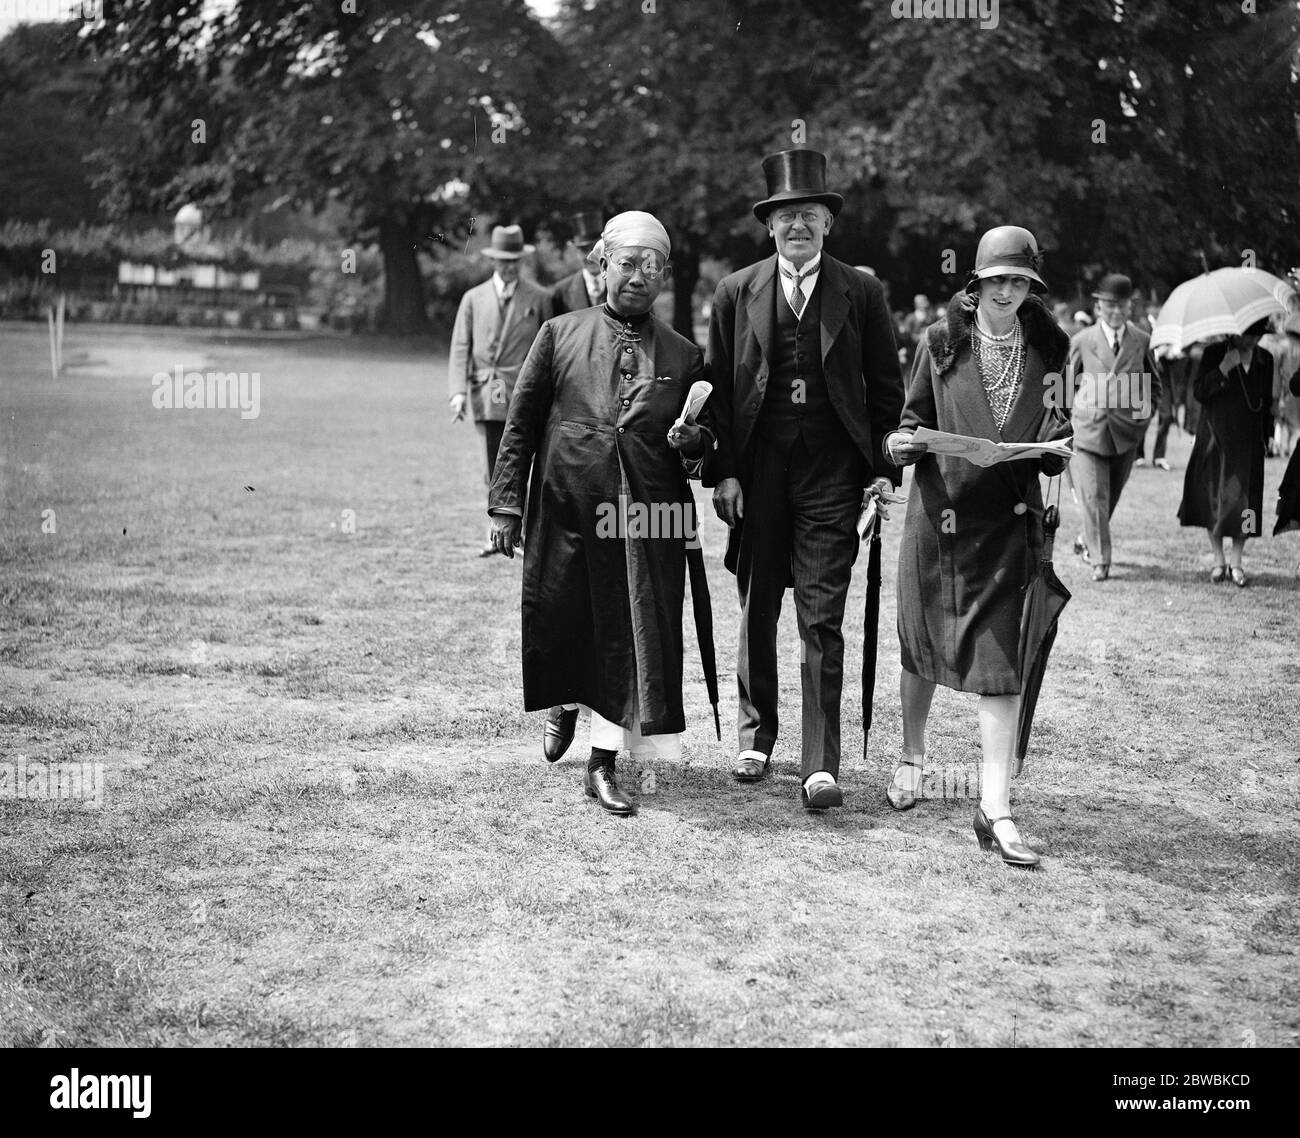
(1223, 303)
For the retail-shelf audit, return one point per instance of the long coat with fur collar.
(973, 534)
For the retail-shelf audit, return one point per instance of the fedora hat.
(586, 228)
(796, 176)
(1114, 286)
(507, 244)
(1005, 251)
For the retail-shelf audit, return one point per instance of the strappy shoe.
(1013, 853)
(898, 797)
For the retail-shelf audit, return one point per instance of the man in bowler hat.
(1118, 386)
(495, 326)
(806, 380)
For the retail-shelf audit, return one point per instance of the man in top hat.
(609, 513)
(586, 287)
(495, 327)
(806, 380)
(1118, 387)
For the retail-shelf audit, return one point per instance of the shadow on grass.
(1163, 842)
(1194, 576)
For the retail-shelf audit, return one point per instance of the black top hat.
(796, 176)
(586, 227)
(1114, 286)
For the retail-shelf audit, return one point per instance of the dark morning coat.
(602, 616)
(973, 534)
(865, 390)
(1108, 418)
(570, 294)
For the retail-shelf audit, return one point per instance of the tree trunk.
(686, 275)
(403, 285)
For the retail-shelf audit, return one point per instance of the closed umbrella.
(1045, 600)
(869, 527)
(1223, 303)
(702, 606)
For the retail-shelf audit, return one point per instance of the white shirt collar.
(810, 270)
(501, 286)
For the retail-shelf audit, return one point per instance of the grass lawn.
(326, 819)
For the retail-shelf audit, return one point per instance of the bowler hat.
(1004, 251)
(1114, 286)
(507, 244)
(586, 228)
(796, 176)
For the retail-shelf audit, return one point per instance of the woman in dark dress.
(1223, 489)
(1288, 494)
(974, 534)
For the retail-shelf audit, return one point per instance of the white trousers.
(615, 737)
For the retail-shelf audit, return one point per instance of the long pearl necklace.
(1000, 361)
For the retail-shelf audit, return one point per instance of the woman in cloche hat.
(973, 534)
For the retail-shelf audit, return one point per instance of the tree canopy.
(1145, 138)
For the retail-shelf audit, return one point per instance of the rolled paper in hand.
(695, 399)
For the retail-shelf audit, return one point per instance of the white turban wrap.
(635, 228)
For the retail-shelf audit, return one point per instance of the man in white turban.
(607, 515)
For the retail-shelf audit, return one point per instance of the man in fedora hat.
(586, 287)
(806, 380)
(1117, 388)
(495, 327)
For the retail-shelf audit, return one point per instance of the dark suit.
(802, 463)
(570, 294)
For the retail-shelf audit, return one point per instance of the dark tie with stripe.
(797, 298)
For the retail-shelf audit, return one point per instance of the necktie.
(1114, 342)
(797, 298)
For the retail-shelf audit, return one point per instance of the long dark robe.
(602, 599)
(1223, 488)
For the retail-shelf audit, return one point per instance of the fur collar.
(947, 338)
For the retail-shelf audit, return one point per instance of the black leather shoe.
(1013, 853)
(600, 785)
(824, 795)
(558, 732)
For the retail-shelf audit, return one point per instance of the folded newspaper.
(985, 452)
(695, 400)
